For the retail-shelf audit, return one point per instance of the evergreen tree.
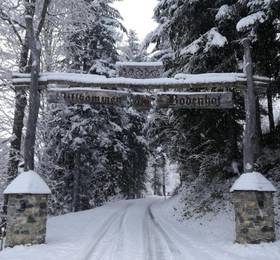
(205, 36)
(92, 32)
(203, 142)
(160, 36)
(132, 51)
(91, 155)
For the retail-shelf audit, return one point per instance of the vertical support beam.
(34, 96)
(250, 137)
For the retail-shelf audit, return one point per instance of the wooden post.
(250, 136)
(34, 95)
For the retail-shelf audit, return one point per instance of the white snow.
(99, 80)
(208, 40)
(250, 20)
(215, 39)
(253, 181)
(5, 74)
(224, 12)
(191, 48)
(139, 64)
(211, 77)
(108, 91)
(28, 183)
(139, 230)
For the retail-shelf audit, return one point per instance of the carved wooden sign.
(100, 97)
(140, 70)
(142, 101)
(198, 100)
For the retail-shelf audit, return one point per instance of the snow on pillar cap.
(28, 183)
(253, 181)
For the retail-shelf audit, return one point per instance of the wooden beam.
(22, 81)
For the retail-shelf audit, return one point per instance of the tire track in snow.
(162, 235)
(149, 249)
(157, 243)
(200, 250)
(119, 245)
(104, 230)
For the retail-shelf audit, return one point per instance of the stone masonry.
(254, 216)
(26, 219)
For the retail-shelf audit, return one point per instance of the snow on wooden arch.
(191, 91)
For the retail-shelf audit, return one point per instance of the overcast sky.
(137, 15)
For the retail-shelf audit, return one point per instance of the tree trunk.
(250, 137)
(20, 104)
(232, 136)
(76, 183)
(270, 113)
(259, 129)
(163, 182)
(14, 155)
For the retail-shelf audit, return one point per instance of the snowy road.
(133, 232)
(139, 230)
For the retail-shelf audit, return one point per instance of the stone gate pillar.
(254, 211)
(26, 210)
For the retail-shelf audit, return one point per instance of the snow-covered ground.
(140, 230)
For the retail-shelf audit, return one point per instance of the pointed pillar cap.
(28, 183)
(253, 181)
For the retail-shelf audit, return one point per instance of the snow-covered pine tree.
(205, 148)
(131, 50)
(92, 154)
(91, 35)
(160, 36)
(134, 173)
(157, 133)
(205, 144)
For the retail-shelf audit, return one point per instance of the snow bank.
(212, 236)
(28, 183)
(253, 181)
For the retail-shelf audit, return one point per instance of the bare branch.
(6, 18)
(43, 17)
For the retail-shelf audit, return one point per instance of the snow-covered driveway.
(139, 230)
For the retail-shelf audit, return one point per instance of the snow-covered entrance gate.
(141, 85)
